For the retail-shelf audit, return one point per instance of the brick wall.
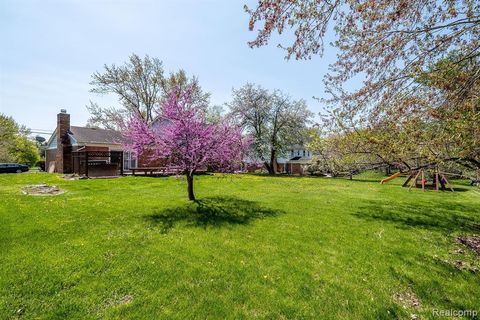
(145, 161)
(295, 168)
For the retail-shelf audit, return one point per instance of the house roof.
(160, 122)
(84, 135)
(160, 118)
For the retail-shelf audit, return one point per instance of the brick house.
(68, 141)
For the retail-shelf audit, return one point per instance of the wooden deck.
(158, 171)
(155, 171)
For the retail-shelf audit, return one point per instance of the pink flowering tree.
(186, 139)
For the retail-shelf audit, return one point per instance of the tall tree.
(273, 120)
(137, 83)
(391, 46)
(187, 140)
(141, 86)
(179, 82)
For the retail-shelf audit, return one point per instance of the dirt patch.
(473, 242)
(126, 299)
(118, 300)
(42, 190)
(407, 299)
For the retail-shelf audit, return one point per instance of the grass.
(252, 247)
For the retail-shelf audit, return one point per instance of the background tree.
(188, 140)
(137, 83)
(141, 87)
(179, 82)
(273, 120)
(15, 146)
(337, 154)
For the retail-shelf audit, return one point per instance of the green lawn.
(254, 247)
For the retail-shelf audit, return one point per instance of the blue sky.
(51, 48)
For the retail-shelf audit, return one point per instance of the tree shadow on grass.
(213, 211)
(444, 217)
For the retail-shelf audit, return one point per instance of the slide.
(393, 176)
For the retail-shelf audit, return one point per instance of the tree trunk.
(191, 195)
(273, 163)
(268, 167)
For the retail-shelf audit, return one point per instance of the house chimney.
(63, 159)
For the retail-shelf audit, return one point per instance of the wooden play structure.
(438, 179)
(393, 176)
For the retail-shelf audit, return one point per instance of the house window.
(292, 153)
(304, 153)
(129, 160)
(298, 152)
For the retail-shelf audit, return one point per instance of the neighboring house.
(69, 141)
(295, 160)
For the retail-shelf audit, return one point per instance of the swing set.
(438, 178)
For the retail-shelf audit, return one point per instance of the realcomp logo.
(455, 313)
